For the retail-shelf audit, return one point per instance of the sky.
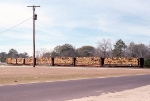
(75, 22)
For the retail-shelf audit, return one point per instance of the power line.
(15, 25)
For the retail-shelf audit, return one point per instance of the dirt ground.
(28, 74)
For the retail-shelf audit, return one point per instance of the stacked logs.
(20, 61)
(132, 61)
(63, 61)
(118, 61)
(28, 61)
(9, 60)
(44, 61)
(88, 61)
(79, 61)
(13, 61)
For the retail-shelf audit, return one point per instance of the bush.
(3, 59)
(147, 63)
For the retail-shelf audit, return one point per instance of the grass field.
(24, 74)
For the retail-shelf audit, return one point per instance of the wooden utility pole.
(34, 18)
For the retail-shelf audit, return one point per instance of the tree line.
(104, 49)
(12, 54)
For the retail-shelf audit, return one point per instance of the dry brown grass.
(17, 75)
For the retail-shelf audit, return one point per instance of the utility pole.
(34, 18)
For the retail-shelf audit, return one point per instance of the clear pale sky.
(76, 22)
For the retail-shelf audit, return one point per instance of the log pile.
(28, 61)
(13, 61)
(8, 61)
(118, 61)
(43, 61)
(63, 61)
(79, 61)
(133, 61)
(20, 61)
(88, 61)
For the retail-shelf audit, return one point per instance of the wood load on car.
(79, 61)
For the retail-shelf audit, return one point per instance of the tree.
(65, 50)
(47, 54)
(53, 54)
(104, 48)
(138, 50)
(23, 55)
(86, 51)
(3, 56)
(12, 53)
(41, 52)
(119, 48)
(129, 50)
(142, 51)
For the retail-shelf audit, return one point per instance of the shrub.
(147, 63)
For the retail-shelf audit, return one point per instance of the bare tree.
(104, 48)
(129, 50)
(138, 50)
(37, 54)
(47, 54)
(41, 52)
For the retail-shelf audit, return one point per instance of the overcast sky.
(76, 22)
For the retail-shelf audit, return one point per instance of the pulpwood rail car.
(79, 61)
